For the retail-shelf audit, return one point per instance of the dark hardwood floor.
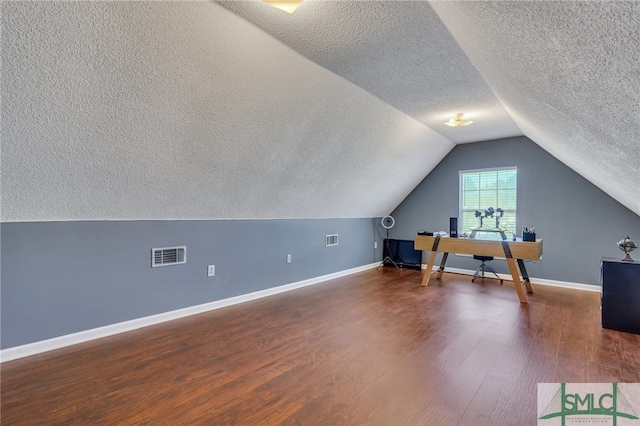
(373, 348)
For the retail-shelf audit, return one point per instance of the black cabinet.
(620, 295)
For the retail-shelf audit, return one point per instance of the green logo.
(582, 404)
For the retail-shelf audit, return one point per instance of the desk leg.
(525, 276)
(441, 269)
(427, 273)
(515, 274)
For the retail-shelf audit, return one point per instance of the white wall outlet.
(288, 258)
(211, 270)
(375, 244)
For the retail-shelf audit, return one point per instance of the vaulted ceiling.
(565, 74)
(237, 110)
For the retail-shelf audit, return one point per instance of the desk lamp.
(499, 214)
(478, 214)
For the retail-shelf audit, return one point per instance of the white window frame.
(508, 223)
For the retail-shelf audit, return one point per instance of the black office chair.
(484, 267)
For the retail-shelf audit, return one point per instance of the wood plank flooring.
(373, 348)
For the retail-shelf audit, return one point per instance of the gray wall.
(578, 222)
(64, 277)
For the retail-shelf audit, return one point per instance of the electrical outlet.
(211, 270)
(288, 258)
(375, 244)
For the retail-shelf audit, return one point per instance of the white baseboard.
(539, 281)
(35, 348)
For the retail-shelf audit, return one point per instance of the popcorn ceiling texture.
(566, 73)
(185, 110)
(569, 73)
(400, 51)
(182, 110)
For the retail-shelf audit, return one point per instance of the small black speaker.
(453, 227)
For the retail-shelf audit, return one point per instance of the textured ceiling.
(399, 51)
(183, 110)
(190, 110)
(566, 74)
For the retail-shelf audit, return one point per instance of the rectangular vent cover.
(168, 256)
(331, 240)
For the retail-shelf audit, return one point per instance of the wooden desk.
(513, 251)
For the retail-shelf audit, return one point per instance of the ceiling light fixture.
(458, 121)
(287, 5)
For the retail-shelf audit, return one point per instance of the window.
(484, 189)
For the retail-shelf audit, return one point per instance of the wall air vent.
(331, 240)
(168, 256)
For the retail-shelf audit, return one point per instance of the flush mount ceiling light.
(458, 121)
(287, 5)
